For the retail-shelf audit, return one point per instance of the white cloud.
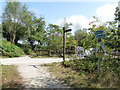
(106, 12)
(35, 11)
(78, 21)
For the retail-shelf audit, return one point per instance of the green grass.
(4, 57)
(11, 77)
(79, 79)
(35, 56)
(9, 49)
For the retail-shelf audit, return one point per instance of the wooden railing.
(50, 52)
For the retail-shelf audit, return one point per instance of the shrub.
(26, 48)
(10, 50)
(69, 63)
(90, 64)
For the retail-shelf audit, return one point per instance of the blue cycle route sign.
(100, 36)
(98, 32)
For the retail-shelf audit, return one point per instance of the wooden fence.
(53, 52)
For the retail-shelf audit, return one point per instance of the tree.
(113, 39)
(40, 34)
(117, 19)
(11, 18)
(36, 32)
(16, 21)
(79, 35)
(55, 37)
(90, 41)
(0, 32)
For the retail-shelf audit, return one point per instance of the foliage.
(12, 21)
(70, 41)
(36, 32)
(79, 35)
(89, 65)
(87, 77)
(111, 29)
(11, 50)
(113, 41)
(26, 48)
(21, 24)
(55, 39)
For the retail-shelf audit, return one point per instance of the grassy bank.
(11, 77)
(82, 74)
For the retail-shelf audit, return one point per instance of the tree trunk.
(13, 40)
(32, 46)
(16, 41)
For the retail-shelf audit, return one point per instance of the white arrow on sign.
(98, 47)
(102, 45)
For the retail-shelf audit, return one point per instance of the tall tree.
(40, 34)
(113, 41)
(11, 19)
(36, 31)
(16, 21)
(54, 37)
(79, 35)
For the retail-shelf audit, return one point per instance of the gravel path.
(35, 75)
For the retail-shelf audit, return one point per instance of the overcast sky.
(78, 13)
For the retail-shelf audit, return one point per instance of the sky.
(79, 13)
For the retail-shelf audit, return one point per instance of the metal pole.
(118, 27)
(99, 40)
(63, 44)
(99, 66)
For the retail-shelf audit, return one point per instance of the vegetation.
(11, 77)
(11, 50)
(20, 24)
(83, 73)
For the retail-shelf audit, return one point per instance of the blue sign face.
(100, 36)
(98, 32)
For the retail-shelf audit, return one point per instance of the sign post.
(99, 59)
(64, 42)
(100, 49)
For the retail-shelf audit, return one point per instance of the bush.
(28, 51)
(69, 63)
(10, 50)
(26, 48)
(112, 64)
(90, 64)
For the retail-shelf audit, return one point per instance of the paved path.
(35, 75)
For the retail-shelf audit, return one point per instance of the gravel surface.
(35, 75)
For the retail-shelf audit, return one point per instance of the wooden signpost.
(64, 42)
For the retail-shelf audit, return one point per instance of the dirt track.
(35, 75)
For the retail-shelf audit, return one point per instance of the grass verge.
(11, 77)
(76, 79)
(35, 56)
(4, 57)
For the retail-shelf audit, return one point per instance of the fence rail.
(50, 52)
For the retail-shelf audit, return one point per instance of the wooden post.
(49, 52)
(63, 44)
(39, 51)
